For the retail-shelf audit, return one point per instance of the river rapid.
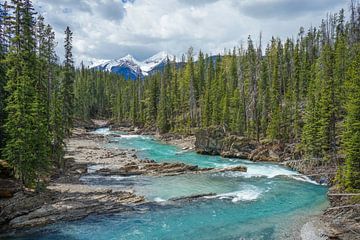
(269, 201)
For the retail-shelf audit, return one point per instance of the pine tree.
(273, 131)
(68, 84)
(206, 98)
(3, 79)
(27, 140)
(190, 78)
(162, 116)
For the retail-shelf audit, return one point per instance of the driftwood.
(343, 194)
(345, 206)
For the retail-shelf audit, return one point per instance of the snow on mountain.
(131, 68)
(156, 61)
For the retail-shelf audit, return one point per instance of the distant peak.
(160, 56)
(128, 62)
(129, 58)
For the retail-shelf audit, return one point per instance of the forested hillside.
(303, 90)
(36, 93)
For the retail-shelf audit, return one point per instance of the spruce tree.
(27, 139)
(3, 15)
(68, 84)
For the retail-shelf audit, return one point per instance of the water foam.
(269, 171)
(102, 131)
(124, 136)
(94, 168)
(250, 194)
(304, 178)
(159, 199)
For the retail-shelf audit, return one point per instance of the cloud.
(285, 8)
(108, 29)
(197, 2)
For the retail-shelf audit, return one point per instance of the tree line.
(36, 93)
(304, 91)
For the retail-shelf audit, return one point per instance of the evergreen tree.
(3, 79)
(351, 141)
(68, 83)
(27, 139)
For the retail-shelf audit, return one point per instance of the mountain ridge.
(131, 68)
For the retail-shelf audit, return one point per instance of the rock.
(150, 168)
(214, 141)
(8, 188)
(5, 170)
(192, 197)
(238, 168)
(209, 141)
(72, 206)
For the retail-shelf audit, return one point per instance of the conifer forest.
(79, 141)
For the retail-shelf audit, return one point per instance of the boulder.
(209, 141)
(239, 147)
(8, 188)
(215, 141)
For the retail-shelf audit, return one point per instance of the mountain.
(133, 69)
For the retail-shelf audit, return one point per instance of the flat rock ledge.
(27, 209)
(162, 169)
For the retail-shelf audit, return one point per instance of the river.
(269, 201)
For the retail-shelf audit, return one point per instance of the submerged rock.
(233, 169)
(192, 197)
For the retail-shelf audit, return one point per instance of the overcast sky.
(109, 29)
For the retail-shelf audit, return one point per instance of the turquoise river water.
(267, 202)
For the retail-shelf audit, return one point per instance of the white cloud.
(107, 29)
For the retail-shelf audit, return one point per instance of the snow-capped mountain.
(131, 68)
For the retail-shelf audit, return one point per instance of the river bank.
(67, 198)
(339, 221)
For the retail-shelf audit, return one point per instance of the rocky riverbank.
(340, 221)
(68, 198)
(215, 141)
(337, 222)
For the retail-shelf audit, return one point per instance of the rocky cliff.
(215, 141)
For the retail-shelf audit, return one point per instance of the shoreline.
(331, 223)
(67, 192)
(67, 198)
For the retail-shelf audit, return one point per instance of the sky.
(110, 29)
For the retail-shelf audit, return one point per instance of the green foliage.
(67, 86)
(351, 139)
(294, 92)
(31, 99)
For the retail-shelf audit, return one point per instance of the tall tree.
(68, 83)
(27, 139)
